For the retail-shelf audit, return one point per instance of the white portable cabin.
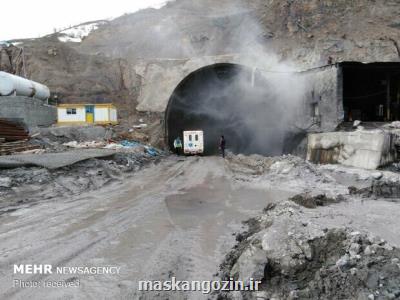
(193, 142)
(87, 114)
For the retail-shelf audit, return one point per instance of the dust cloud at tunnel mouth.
(230, 100)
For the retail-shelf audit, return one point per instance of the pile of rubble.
(309, 201)
(27, 185)
(378, 189)
(290, 172)
(125, 146)
(296, 259)
(260, 165)
(315, 245)
(70, 159)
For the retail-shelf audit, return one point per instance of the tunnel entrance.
(230, 100)
(371, 92)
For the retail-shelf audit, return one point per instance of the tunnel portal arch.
(226, 99)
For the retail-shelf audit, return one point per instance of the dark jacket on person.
(222, 143)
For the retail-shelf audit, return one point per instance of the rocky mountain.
(98, 64)
(305, 31)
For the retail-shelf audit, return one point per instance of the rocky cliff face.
(102, 66)
(310, 31)
(306, 31)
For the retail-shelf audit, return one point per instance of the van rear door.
(193, 142)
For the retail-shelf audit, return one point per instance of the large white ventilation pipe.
(15, 85)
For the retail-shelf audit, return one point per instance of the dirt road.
(176, 218)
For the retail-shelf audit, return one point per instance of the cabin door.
(89, 114)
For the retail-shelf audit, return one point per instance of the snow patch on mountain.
(77, 33)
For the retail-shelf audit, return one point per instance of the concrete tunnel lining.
(231, 100)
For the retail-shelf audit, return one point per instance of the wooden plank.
(19, 149)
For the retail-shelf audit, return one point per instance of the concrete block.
(362, 149)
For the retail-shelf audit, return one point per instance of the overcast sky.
(34, 18)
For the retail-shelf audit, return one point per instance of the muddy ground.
(183, 218)
(26, 186)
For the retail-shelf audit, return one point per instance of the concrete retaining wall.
(32, 112)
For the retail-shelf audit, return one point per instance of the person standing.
(178, 145)
(222, 145)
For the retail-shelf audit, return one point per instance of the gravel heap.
(296, 259)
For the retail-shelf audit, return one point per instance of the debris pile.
(17, 146)
(122, 146)
(394, 124)
(300, 260)
(53, 160)
(90, 144)
(309, 201)
(67, 159)
(379, 189)
(73, 172)
(290, 172)
(63, 139)
(279, 165)
(253, 165)
(65, 134)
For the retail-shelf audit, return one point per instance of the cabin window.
(196, 137)
(190, 138)
(71, 111)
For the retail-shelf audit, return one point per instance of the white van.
(193, 142)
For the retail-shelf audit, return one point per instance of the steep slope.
(363, 30)
(182, 29)
(306, 31)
